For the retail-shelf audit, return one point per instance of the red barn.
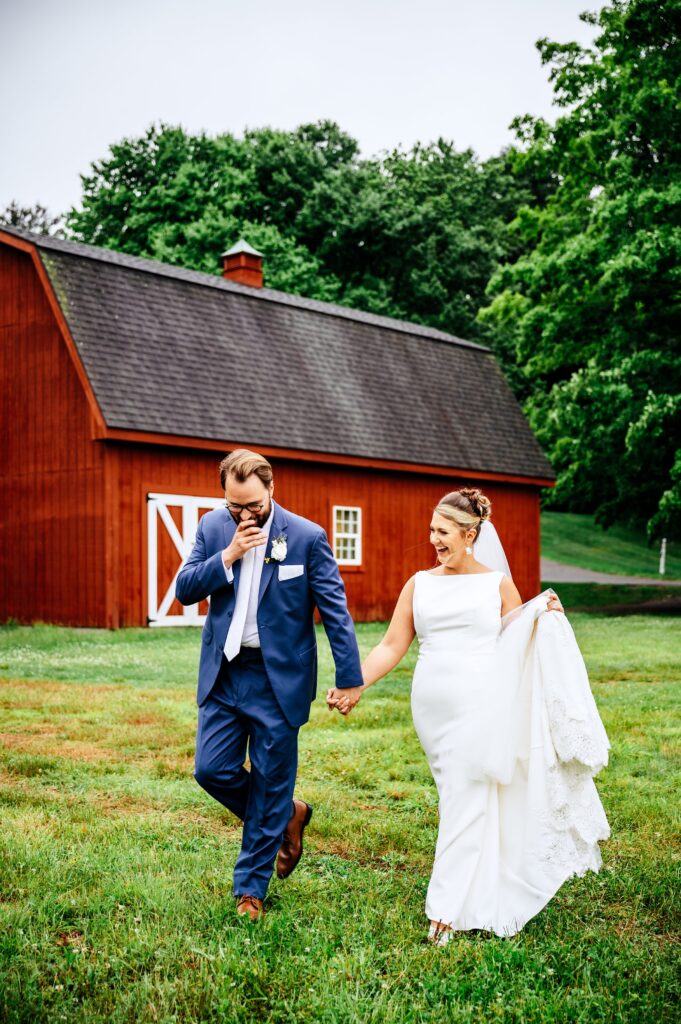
(125, 381)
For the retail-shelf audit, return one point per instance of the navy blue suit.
(259, 700)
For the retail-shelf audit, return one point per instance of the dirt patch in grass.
(102, 804)
(341, 850)
(208, 823)
(70, 938)
(92, 724)
(122, 803)
(652, 926)
(34, 729)
(35, 694)
(126, 805)
(36, 688)
(179, 767)
(144, 719)
(75, 750)
(40, 729)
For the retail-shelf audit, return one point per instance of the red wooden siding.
(52, 493)
(396, 511)
(396, 514)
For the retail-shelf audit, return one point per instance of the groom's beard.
(260, 519)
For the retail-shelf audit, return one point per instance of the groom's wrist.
(227, 564)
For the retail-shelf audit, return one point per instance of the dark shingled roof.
(175, 351)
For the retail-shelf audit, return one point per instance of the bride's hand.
(554, 604)
(344, 700)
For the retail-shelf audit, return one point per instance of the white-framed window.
(347, 534)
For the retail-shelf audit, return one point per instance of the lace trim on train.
(573, 823)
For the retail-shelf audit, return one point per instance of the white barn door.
(161, 527)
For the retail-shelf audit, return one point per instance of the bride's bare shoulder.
(403, 609)
(407, 592)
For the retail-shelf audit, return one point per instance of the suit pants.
(242, 714)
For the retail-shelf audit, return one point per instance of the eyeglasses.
(253, 506)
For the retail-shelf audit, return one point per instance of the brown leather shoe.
(292, 844)
(250, 906)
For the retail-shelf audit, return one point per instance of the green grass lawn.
(115, 868)
(576, 540)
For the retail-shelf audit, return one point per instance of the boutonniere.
(278, 552)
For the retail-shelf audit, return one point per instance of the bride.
(503, 709)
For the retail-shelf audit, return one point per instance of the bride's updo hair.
(468, 507)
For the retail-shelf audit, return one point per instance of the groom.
(265, 570)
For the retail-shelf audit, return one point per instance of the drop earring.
(469, 549)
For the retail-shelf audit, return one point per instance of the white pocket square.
(289, 572)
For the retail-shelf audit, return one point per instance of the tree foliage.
(590, 312)
(411, 234)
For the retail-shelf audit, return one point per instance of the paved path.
(557, 572)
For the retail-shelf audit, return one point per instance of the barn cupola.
(243, 263)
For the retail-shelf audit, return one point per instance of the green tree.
(413, 234)
(416, 234)
(590, 312)
(183, 198)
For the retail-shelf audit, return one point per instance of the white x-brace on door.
(158, 506)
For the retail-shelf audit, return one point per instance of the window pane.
(347, 534)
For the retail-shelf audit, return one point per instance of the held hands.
(343, 700)
(248, 535)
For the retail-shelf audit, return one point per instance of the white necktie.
(236, 629)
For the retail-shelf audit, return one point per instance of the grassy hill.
(576, 540)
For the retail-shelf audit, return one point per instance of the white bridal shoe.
(440, 934)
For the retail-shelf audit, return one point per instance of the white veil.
(489, 550)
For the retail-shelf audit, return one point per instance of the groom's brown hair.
(242, 463)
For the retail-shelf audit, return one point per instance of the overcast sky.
(77, 75)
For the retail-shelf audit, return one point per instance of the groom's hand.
(344, 700)
(248, 535)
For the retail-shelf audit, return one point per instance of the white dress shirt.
(250, 637)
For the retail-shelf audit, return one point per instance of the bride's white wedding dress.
(505, 715)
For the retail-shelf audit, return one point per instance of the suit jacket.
(285, 609)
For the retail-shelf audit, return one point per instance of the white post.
(663, 556)
(152, 552)
(190, 523)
